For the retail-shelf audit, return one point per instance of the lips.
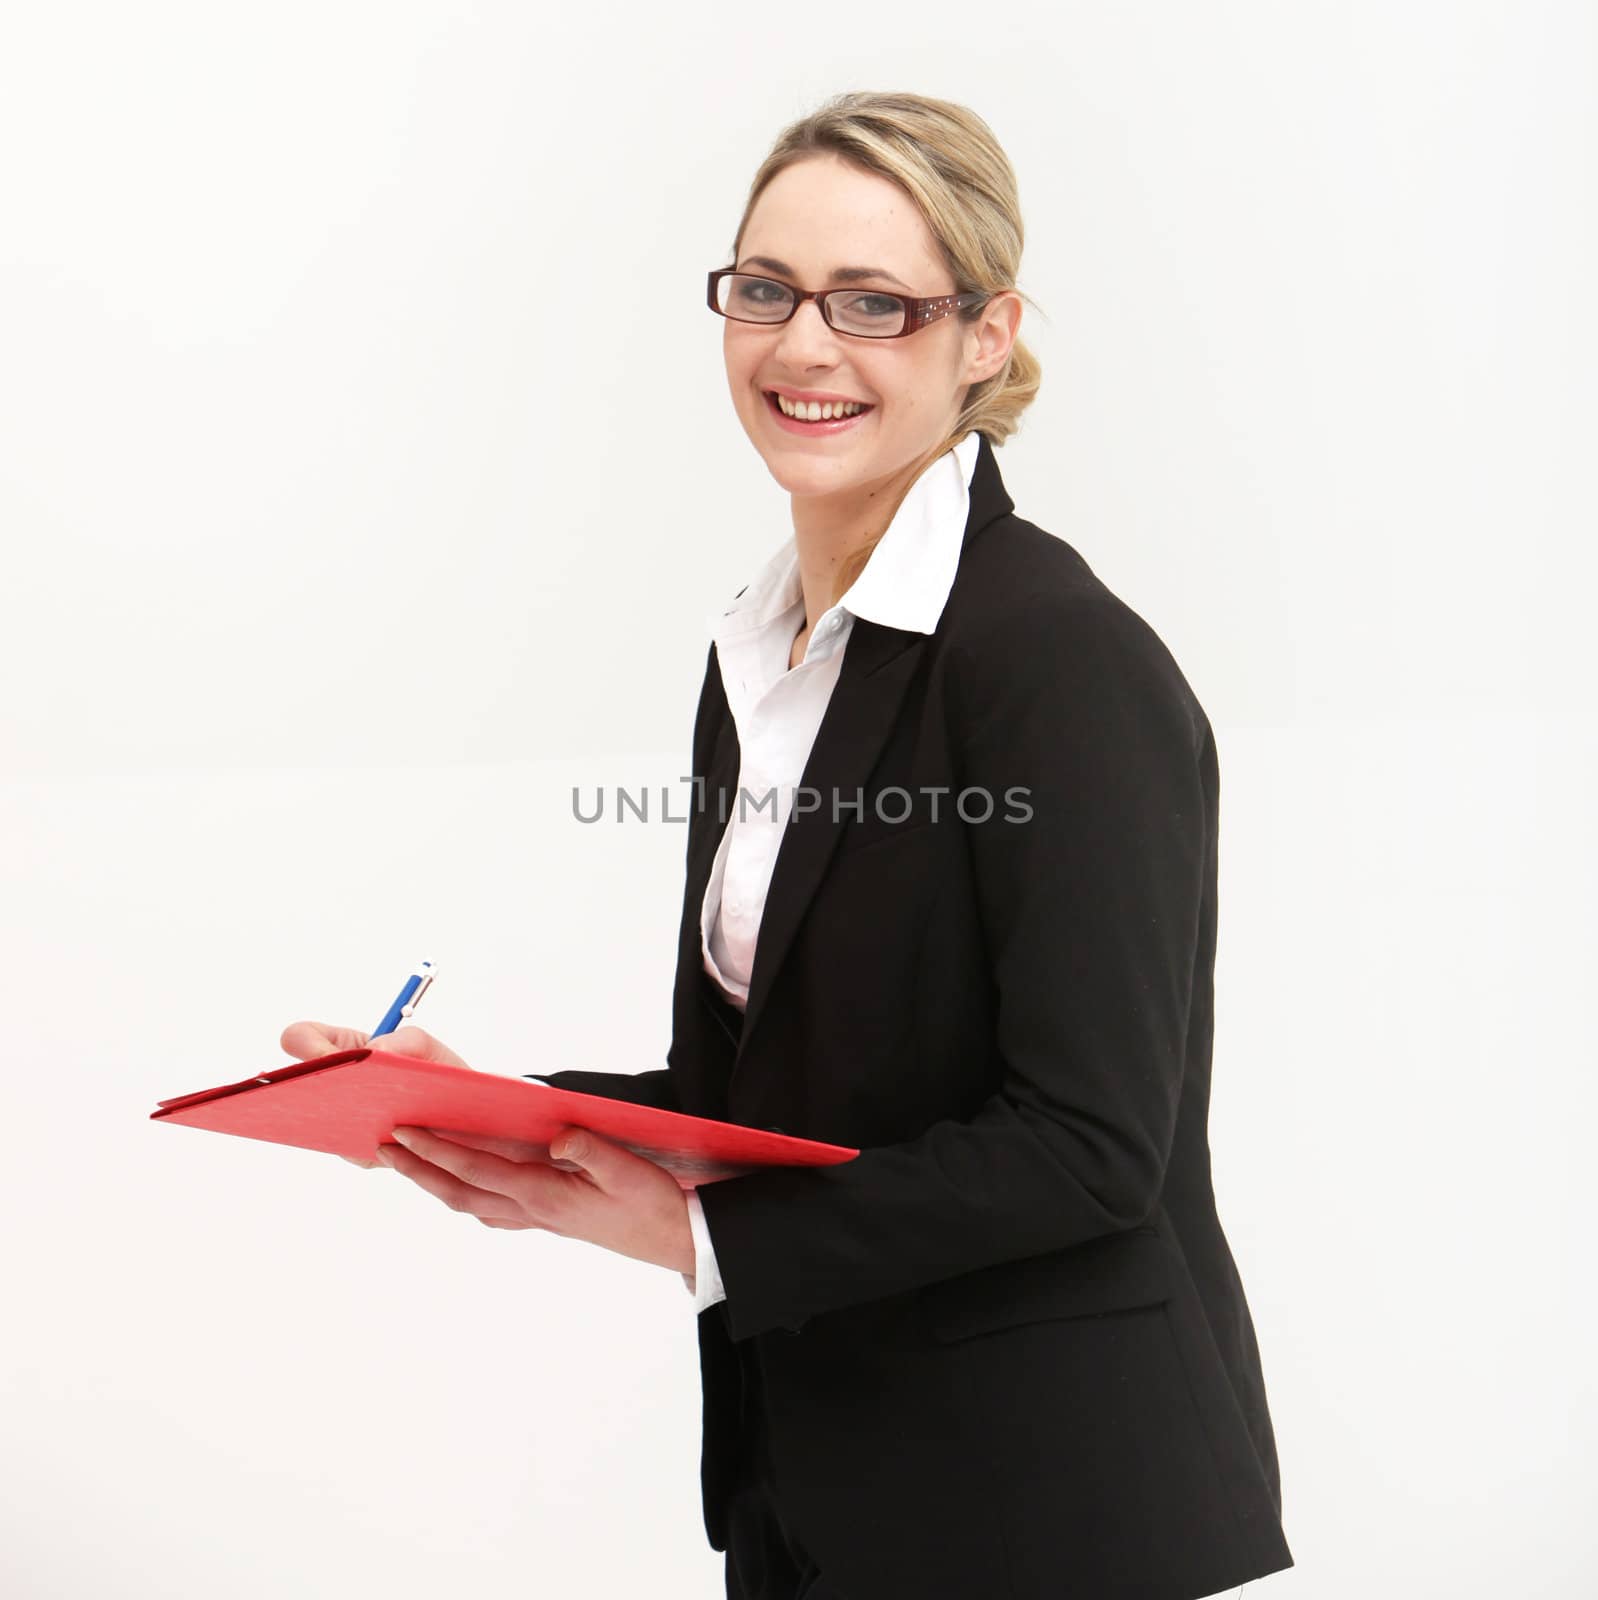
(829, 426)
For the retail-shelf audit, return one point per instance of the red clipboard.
(349, 1103)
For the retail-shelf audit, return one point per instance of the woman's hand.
(307, 1040)
(614, 1198)
(604, 1194)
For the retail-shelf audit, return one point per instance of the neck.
(829, 529)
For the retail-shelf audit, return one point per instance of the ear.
(988, 340)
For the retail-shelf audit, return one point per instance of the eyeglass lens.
(867, 312)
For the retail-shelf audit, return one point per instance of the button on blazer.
(1005, 1351)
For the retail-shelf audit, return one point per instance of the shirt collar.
(906, 582)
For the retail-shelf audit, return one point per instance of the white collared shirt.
(778, 711)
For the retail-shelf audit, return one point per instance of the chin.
(801, 477)
(802, 469)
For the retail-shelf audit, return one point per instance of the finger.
(455, 1192)
(465, 1157)
(500, 1222)
(413, 1041)
(307, 1040)
(520, 1150)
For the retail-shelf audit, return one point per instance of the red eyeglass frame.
(918, 311)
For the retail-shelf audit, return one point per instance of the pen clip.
(421, 989)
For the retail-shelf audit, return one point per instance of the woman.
(967, 801)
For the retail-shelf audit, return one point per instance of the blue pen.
(406, 1000)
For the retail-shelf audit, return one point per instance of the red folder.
(349, 1103)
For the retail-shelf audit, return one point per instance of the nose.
(806, 339)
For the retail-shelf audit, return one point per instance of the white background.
(367, 472)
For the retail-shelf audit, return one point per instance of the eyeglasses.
(864, 313)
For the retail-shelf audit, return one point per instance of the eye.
(875, 305)
(760, 292)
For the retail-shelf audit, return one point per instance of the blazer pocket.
(872, 831)
(1115, 1273)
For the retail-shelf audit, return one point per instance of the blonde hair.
(946, 158)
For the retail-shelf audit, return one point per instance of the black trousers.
(764, 1561)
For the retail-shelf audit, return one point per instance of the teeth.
(812, 411)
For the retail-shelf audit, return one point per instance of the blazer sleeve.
(1090, 915)
(641, 1088)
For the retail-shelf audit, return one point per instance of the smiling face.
(814, 219)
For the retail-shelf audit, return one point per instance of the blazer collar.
(906, 581)
(878, 664)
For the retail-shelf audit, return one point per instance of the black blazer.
(1006, 1351)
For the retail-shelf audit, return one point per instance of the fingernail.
(402, 1137)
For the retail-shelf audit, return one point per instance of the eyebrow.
(840, 275)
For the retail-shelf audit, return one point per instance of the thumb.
(413, 1041)
(306, 1040)
(598, 1158)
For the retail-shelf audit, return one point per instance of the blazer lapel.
(877, 667)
